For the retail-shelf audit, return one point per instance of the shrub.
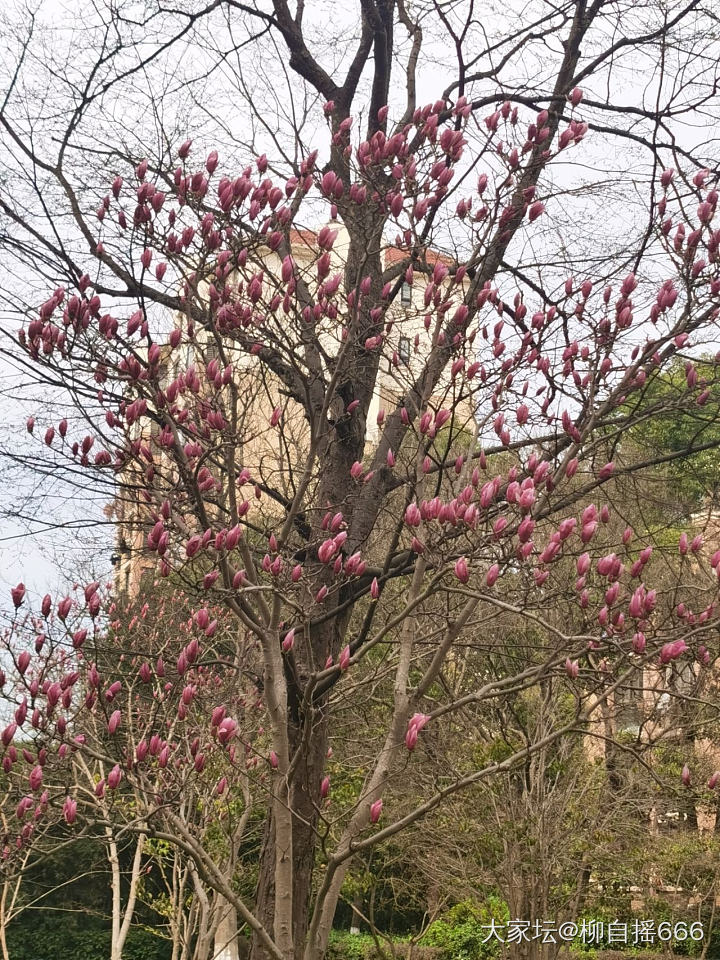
(32, 938)
(462, 932)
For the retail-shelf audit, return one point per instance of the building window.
(406, 293)
(404, 350)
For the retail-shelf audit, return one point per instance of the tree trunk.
(305, 799)
(225, 945)
(343, 445)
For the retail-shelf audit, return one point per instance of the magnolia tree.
(358, 510)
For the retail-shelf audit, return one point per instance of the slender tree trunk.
(3, 941)
(225, 945)
(304, 803)
(121, 919)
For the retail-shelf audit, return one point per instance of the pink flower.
(18, 593)
(226, 729)
(375, 811)
(572, 668)
(114, 777)
(70, 810)
(461, 570)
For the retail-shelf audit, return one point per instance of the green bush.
(462, 932)
(33, 938)
(350, 946)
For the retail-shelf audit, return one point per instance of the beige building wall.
(270, 454)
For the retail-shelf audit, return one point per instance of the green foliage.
(361, 946)
(462, 932)
(351, 946)
(673, 424)
(55, 936)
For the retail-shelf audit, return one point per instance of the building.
(266, 453)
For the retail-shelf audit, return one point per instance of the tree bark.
(225, 946)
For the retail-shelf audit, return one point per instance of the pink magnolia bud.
(375, 811)
(288, 641)
(419, 720)
(36, 778)
(583, 564)
(412, 515)
(226, 729)
(636, 607)
(685, 775)
(683, 544)
(575, 96)
(572, 668)
(374, 589)
(356, 470)
(324, 787)
(114, 721)
(639, 643)
(713, 781)
(492, 575)
(193, 545)
(70, 810)
(535, 210)
(114, 777)
(275, 418)
(671, 651)
(461, 570)
(18, 593)
(211, 162)
(274, 760)
(8, 733)
(344, 659)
